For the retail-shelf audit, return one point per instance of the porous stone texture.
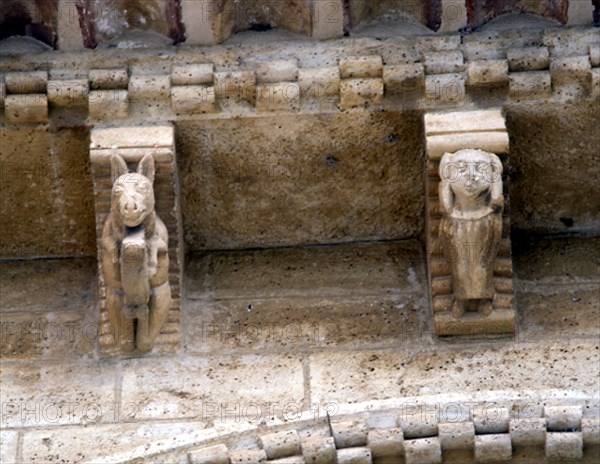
(263, 182)
(49, 173)
(567, 199)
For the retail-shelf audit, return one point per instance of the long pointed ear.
(118, 167)
(146, 167)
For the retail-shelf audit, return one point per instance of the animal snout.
(132, 206)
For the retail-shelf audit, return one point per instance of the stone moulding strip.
(450, 132)
(132, 143)
(489, 433)
(434, 78)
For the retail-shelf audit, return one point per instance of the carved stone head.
(132, 198)
(471, 173)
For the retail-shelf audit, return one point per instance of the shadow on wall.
(29, 18)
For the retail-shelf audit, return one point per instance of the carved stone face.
(133, 198)
(471, 172)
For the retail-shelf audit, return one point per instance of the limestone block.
(564, 445)
(530, 85)
(200, 22)
(528, 59)
(319, 82)
(404, 78)
(487, 72)
(580, 13)
(104, 79)
(590, 429)
(457, 435)
(445, 88)
(271, 72)
(496, 142)
(193, 99)
(328, 19)
(423, 451)
(493, 448)
(29, 108)
(282, 96)
(108, 104)
(347, 434)
(595, 55)
(69, 33)
(491, 419)
(528, 432)
(386, 442)
(563, 418)
(26, 82)
(248, 457)
(446, 62)
(289, 460)
(8, 445)
(356, 93)
(418, 425)
(236, 86)
(319, 450)
(352, 67)
(354, 456)
(192, 74)
(149, 87)
(465, 121)
(68, 92)
(281, 444)
(569, 69)
(218, 454)
(595, 82)
(454, 15)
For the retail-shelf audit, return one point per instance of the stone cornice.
(422, 73)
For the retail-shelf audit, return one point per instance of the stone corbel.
(138, 229)
(468, 229)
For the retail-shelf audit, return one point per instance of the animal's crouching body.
(135, 260)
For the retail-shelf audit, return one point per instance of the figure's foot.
(458, 309)
(486, 308)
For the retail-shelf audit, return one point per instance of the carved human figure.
(471, 203)
(134, 254)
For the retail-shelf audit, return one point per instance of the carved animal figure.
(134, 254)
(471, 202)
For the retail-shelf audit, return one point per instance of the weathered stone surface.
(528, 432)
(459, 435)
(193, 99)
(9, 442)
(423, 451)
(528, 59)
(194, 388)
(445, 88)
(282, 96)
(530, 85)
(368, 375)
(487, 72)
(319, 82)
(236, 86)
(68, 92)
(26, 82)
(319, 450)
(149, 87)
(271, 72)
(386, 442)
(349, 434)
(36, 395)
(360, 93)
(26, 108)
(108, 79)
(49, 172)
(281, 444)
(354, 456)
(248, 183)
(253, 299)
(192, 74)
(566, 191)
(446, 62)
(563, 418)
(217, 454)
(493, 448)
(353, 67)
(108, 104)
(564, 446)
